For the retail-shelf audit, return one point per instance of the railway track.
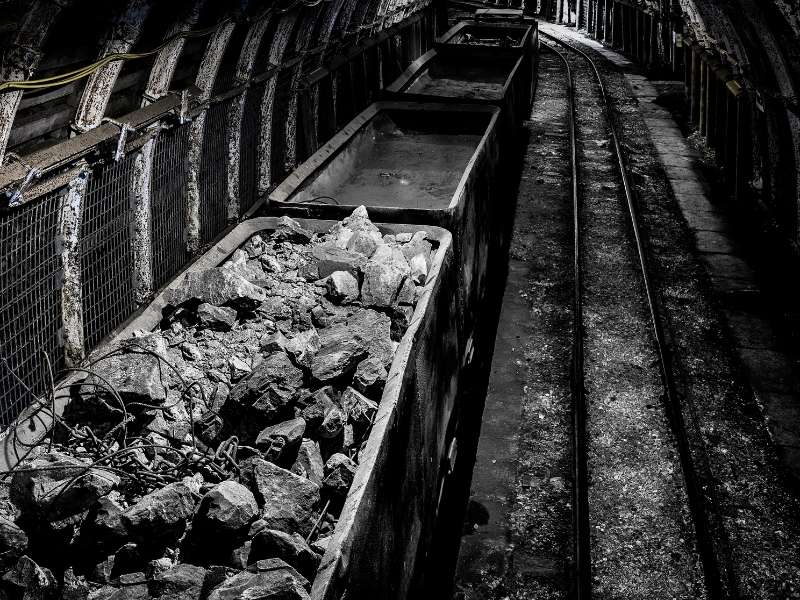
(582, 579)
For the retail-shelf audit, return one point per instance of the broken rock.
(287, 501)
(383, 274)
(360, 409)
(342, 287)
(341, 471)
(270, 579)
(304, 346)
(289, 230)
(228, 507)
(332, 424)
(291, 548)
(220, 318)
(363, 243)
(370, 377)
(276, 369)
(13, 542)
(309, 462)
(329, 259)
(36, 582)
(136, 377)
(345, 344)
(273, 342)
(319, 405)
(290, 432)
(181, 582)
(238, 368)
(419, 269)
(161, 515)
(216, 286)
(56, 485)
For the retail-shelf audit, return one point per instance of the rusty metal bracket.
(14, 198)
(124, 130)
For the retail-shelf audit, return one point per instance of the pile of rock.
(214, 455)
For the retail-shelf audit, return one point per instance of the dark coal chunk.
(227, 508)
(55, 485)
(181, 582)
(340, 473)
(291, 548)
(288, 502)
(267, 579)
(161, 516)
(35, 581)
(13, 543)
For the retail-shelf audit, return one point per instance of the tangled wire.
(145, 465)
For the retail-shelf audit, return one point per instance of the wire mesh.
(106, 250)
(214, 172)
(168, 203)
(248, 151)
(30, 309)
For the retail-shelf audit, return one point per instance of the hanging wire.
(77, 74)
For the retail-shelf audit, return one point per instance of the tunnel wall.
(94, 223)
(740, 62)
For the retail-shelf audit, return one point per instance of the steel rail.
(581, 537)
(697, 502)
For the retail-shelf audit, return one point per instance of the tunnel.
(399, 299)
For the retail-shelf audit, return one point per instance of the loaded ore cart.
(255, 428)
(426, 163)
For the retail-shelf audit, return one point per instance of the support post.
(701, 93)
(143, 223)
(69, 225)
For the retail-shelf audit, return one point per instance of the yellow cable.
(71, 76)
(77, 74)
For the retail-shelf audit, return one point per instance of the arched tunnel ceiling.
(758, 38)
(43, 38)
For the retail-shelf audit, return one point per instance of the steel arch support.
(123, 36)
(22, 58)
(167, 59)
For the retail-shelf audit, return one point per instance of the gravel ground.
(642, 537)
(757, 533)
(524, 551)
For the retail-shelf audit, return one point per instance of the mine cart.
(407, 162)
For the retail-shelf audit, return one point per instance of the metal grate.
(214, 172)
(168, 203)
(106, 250)
(30, 302)
(248, 153)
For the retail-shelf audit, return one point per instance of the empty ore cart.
(472, 74)
(407, 162)
(513, 39)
